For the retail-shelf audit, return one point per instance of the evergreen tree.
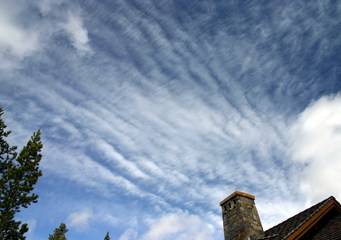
(59, 233)
(18, 175)
(107, 236)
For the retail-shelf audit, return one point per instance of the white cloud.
(115, 157)
(316, 141)
(83, 170)
(16, 41)
(180, 226)
(80, 220)
(129, 234)
(273, 211)
(107, 218)
(77, 32)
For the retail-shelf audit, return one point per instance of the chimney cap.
(237, 193)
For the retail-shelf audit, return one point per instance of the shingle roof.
(282, 230)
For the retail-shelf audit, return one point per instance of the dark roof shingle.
(282, 230)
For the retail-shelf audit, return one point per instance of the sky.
(153, 111)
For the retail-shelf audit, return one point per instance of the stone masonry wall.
(241, 219)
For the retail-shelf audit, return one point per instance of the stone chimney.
(240, 217)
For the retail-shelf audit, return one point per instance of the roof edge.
(302, 228)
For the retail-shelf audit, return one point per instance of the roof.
(292, 225)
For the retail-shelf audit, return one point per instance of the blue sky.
(153, 111)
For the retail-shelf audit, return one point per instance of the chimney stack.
(240, 217)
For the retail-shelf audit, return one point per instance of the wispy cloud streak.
(178, 103)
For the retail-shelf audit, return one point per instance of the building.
(241, 221)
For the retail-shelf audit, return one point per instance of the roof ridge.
(323, 203)
(319, 205)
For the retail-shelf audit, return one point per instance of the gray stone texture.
(240, 218)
